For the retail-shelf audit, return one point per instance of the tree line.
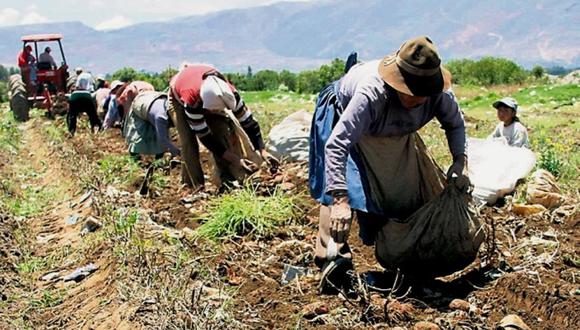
(482, 72)
(486, 71)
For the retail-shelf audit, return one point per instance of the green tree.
(4, 73)
(125, 74)
(288, 79)
(266, 80)
(538, 72)
(486, 71)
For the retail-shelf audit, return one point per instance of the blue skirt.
(326, 114)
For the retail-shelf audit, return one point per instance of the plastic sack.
(495, 168)
(290, 139)
(439, 239)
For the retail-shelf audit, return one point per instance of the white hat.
(216, 94)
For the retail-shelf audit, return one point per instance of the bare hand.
(340, 220)
(458, 174)
(248, 165)
(272, 161)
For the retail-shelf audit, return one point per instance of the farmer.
(365, 154)
(510, 129)
(26, 63)
(110, 109)
(84, 80)
(198, 98)
(46, 60)
(81, 100)
(146, 127)
(124, 95)
(101, 82)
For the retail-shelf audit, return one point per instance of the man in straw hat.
(204, 105)
(365, 154)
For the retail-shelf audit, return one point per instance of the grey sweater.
(370, 108)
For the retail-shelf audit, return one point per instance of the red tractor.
(39, 84)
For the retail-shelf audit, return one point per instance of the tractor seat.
(44, 66)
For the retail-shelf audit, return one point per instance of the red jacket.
(23, 58)
(186, 85)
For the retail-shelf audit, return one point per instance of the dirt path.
(149, 274)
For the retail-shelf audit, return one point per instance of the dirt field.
(153, 272)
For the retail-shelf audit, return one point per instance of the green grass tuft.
(245, 213)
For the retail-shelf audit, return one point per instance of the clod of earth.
(424, 325)
(527, 210)
(314, 309)
(399, 312)
(459, 304)
(512, 322)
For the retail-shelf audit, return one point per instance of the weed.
(245, 213)
(116, 169)
(48, 299)
(31, 264)
(9, 133)
(125, 223)
(56, 133)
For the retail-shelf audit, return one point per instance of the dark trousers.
(79, 106)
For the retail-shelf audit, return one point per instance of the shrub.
(486, 71)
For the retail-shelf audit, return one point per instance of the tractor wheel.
(18, 98)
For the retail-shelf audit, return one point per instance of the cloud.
(33, 18)
(9, 16)
(116, 22)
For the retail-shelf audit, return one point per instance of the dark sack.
(440, 238)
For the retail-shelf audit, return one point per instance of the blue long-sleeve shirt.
(371, 108)
(157, 116)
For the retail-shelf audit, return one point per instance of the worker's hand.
(246, 165)
(458, 174)
(340, 219)
(272, 161)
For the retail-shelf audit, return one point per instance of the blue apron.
(326, 114)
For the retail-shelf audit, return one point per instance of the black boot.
(336, 277)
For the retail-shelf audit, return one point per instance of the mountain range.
(302, 35)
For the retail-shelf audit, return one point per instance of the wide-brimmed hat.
(116, 84)
(415, 69)
(508, 102)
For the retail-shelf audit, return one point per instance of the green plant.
(31, 264)
(125, 223)
(550, 162)
(245, 213)
(48, 299)
(119, 169)
(9, 133)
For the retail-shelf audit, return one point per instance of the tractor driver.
(45, 60)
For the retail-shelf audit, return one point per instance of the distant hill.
(302, 35)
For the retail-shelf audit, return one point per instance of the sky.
(107, 15)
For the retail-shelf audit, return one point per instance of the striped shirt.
(187, 87)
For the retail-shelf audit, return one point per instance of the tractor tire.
(18, 98)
